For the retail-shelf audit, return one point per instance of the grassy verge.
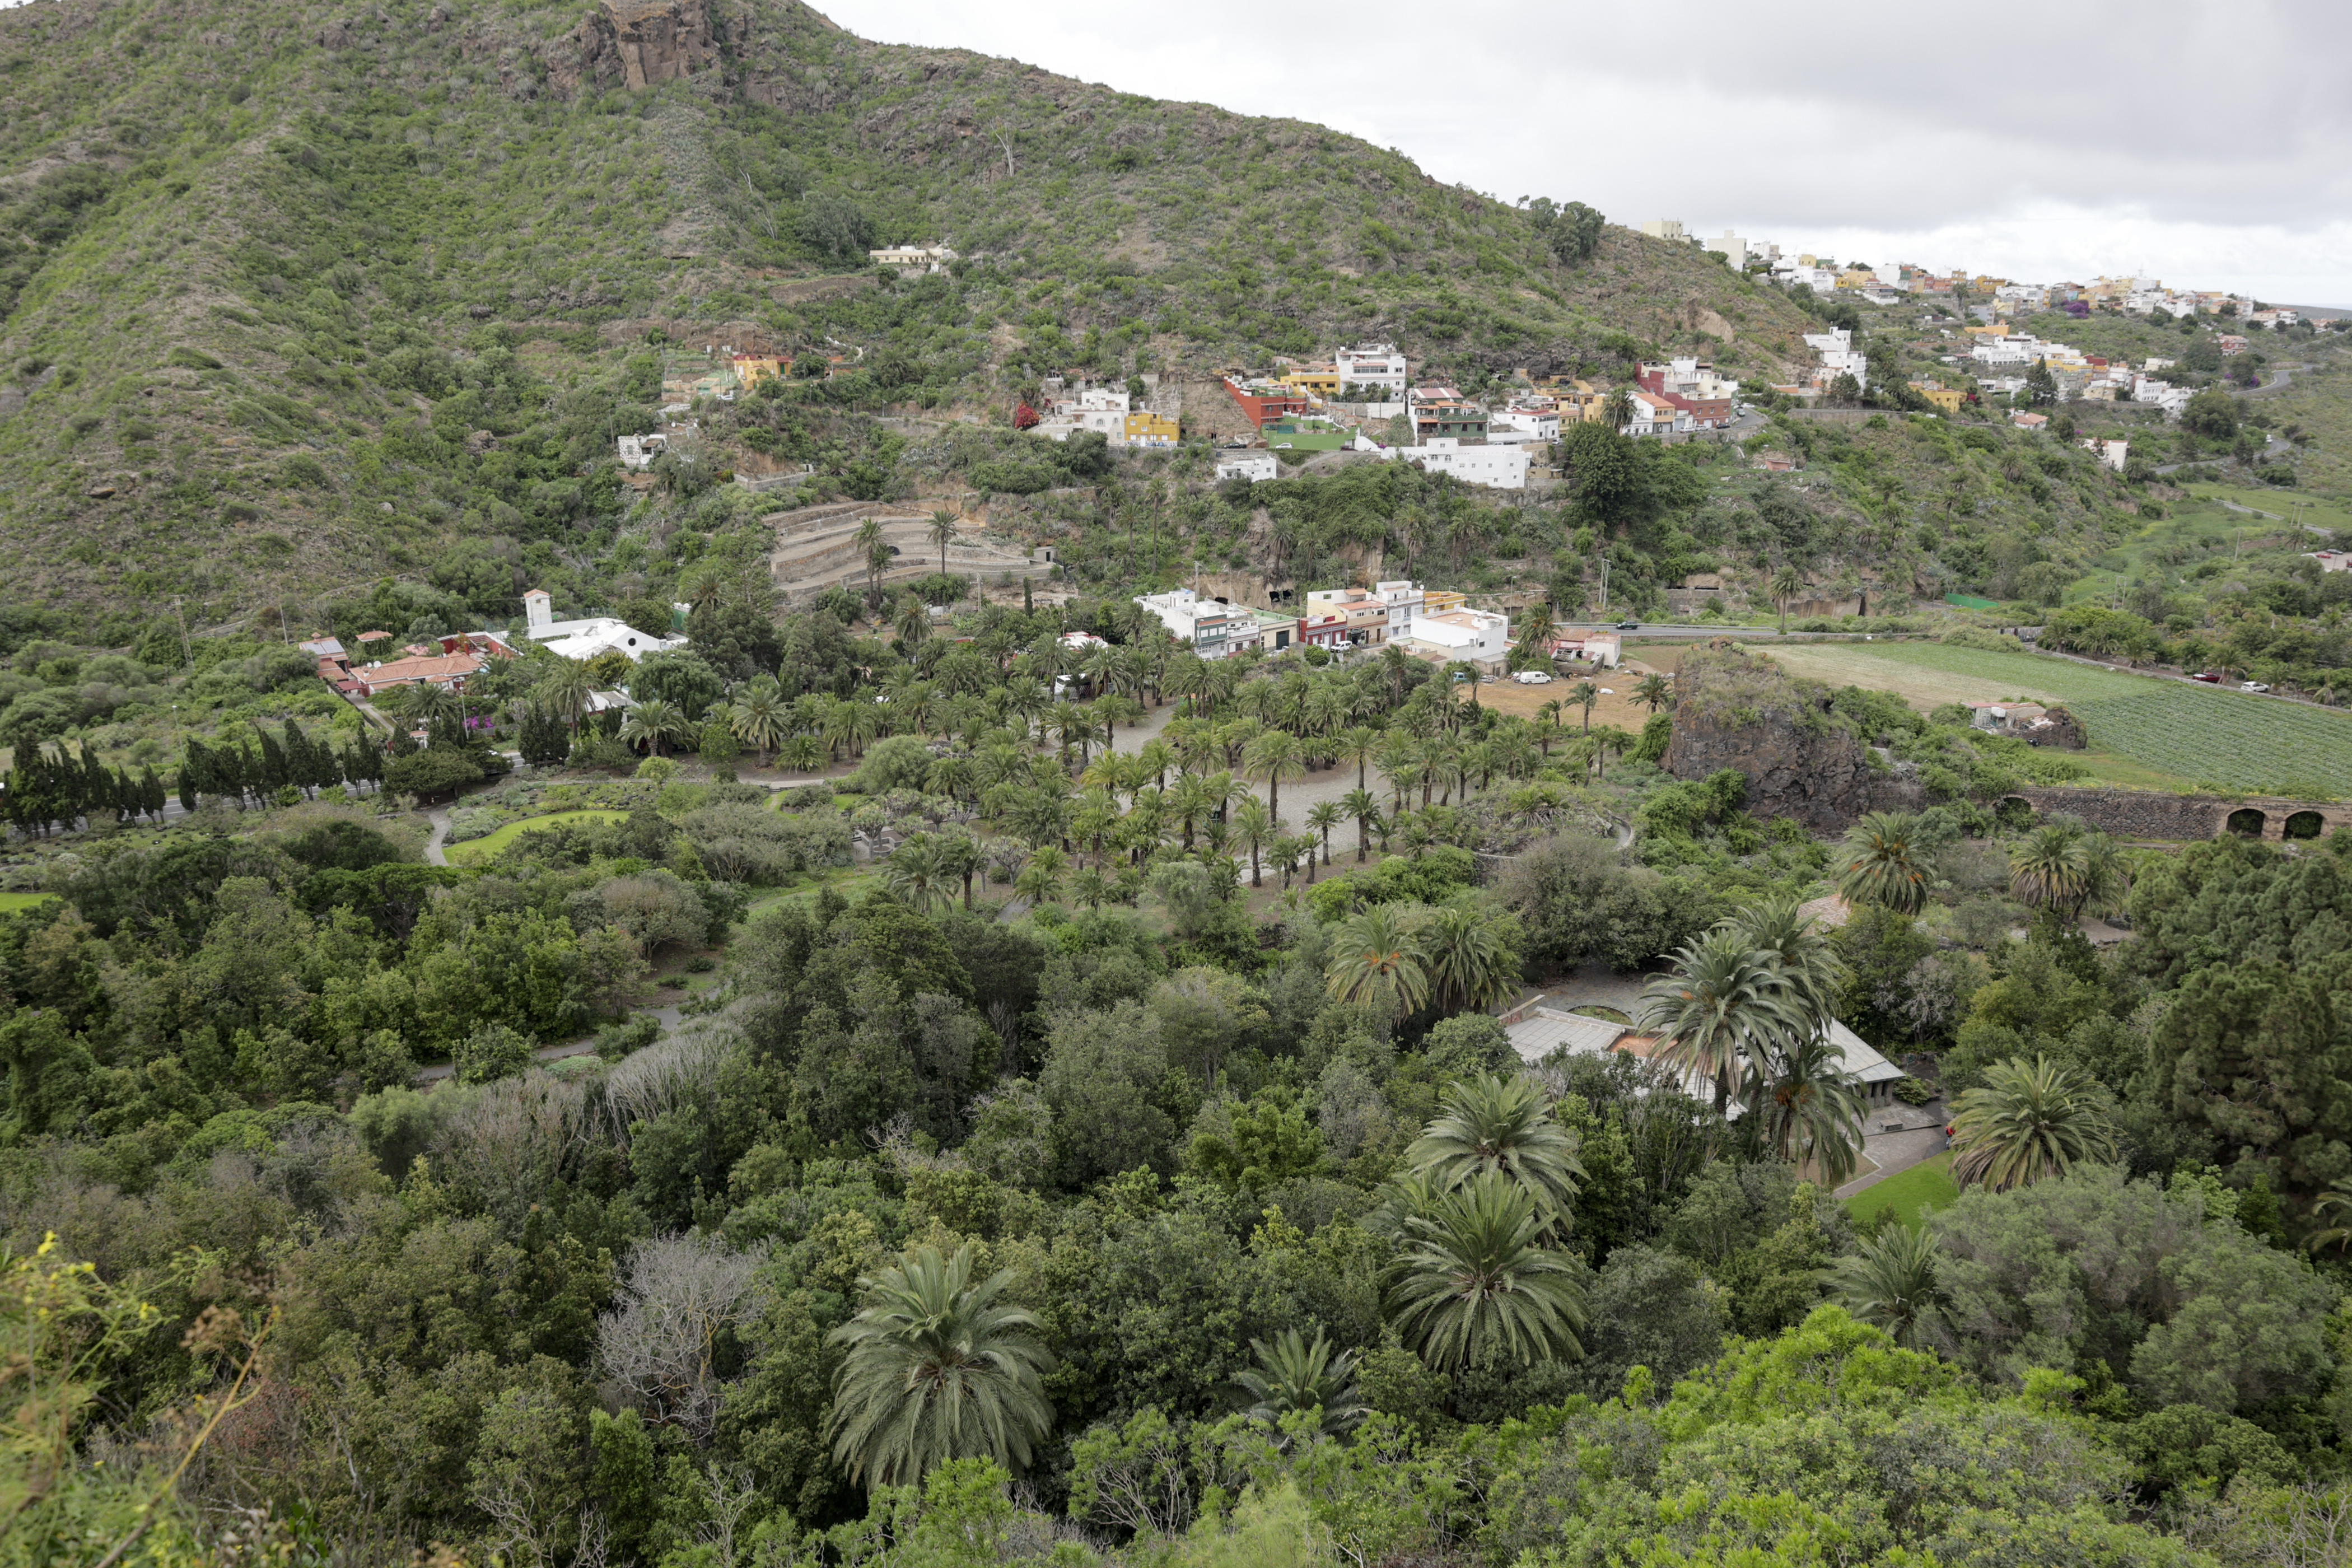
(1909, 1194)
(489, 844)
(12, 902)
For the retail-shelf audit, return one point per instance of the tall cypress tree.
(273, 776)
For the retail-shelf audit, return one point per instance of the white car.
(2254, 686)
(1532, 678)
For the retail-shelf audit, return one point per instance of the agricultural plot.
(489, 844)
(2193, 733)
(2227, 739)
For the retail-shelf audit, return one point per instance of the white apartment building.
(1404, 598)
(1371, 365)
(1499, 467)
(1735, 249)
(2112, 453)
(1663, 228)
(1839, 356)
(1213, 628)
(1249, 466)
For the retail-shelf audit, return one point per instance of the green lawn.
(10, 902)
(1910, 1193)
(489, 844)
(2170, 734)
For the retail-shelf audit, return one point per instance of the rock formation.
(1800, 760)
(640, 42)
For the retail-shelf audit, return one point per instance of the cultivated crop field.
(2195, 733)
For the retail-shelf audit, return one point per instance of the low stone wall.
(2145, 813)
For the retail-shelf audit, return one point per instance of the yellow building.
(1150, 430)
(751, 368)
(1857, 278)
(1947, 398)
(1313, 380)
(1438, 601)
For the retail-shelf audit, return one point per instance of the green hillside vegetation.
(321, 308)
(1098, 1030)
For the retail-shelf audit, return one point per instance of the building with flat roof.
(588, 637)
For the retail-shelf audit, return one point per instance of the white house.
(1499, 467)
(913, 261)
(2171, 399)
(1404, 598)
(587, 639)
(1371, 365)
(1476, 635)
(2111, 453)
(1249, 466)
(1520, 425)
(1538, 1033)
(1734, 248)
(1839, 356)
(639, 451)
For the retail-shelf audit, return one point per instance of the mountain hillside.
(292, 296)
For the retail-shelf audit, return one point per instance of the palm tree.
(1895, 1283)
(1786, 584)
(1584, 694)
(1040, 880)
(1653, 692)
(757, 716)
(1474, 1275)
(1294, 1375)
(1256, 825)
(1273, 757)
(1323, 816)
(943, 526)
(1373, 958)
(1720, 1012)
(1875, 866)
(2053, 868)
(1501, 1125)
(1193, 799)
(1810, 967)
(655, 722)
(1468, 963)
(959, 857)
(1808, 1107)
(1363, 811)
(914, 622)
(1550, 713)
(1617, 409)
(1608, 740)
(2028, 1121)
(568, 690)
(919, 873)
(936, 1371)
(2334, 1204)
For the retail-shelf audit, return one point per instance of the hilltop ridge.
(297, 293)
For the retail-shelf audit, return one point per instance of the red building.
(1265, 408)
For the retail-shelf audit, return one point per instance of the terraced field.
(2196, 734)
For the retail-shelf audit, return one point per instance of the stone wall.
(2146, 813)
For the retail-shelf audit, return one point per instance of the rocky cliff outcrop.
(1800, 760)
(638, 43)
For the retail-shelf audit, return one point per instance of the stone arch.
(2013, 812)
(2304, 824)
(2246, 822)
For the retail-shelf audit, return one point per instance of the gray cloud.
(2076, 138)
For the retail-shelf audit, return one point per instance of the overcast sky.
(2201, 142)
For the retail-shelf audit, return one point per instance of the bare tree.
(658, 1345)
(509, 1140)
(668, 1072)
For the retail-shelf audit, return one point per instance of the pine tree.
(151, 793)
(273, 776)
(403, 743)
(189, 798)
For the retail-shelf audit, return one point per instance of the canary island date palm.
(2053, 868)
(2028, 1121)
(1473, 1275)
(1293, 1374)
(1374, 960)
(936, 1369)
(1721, 1011)
(1895, 1283)
(1810, 970)
(1877, 863)
(1468, 954)
(1808, 1107)
(1500, 1126)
